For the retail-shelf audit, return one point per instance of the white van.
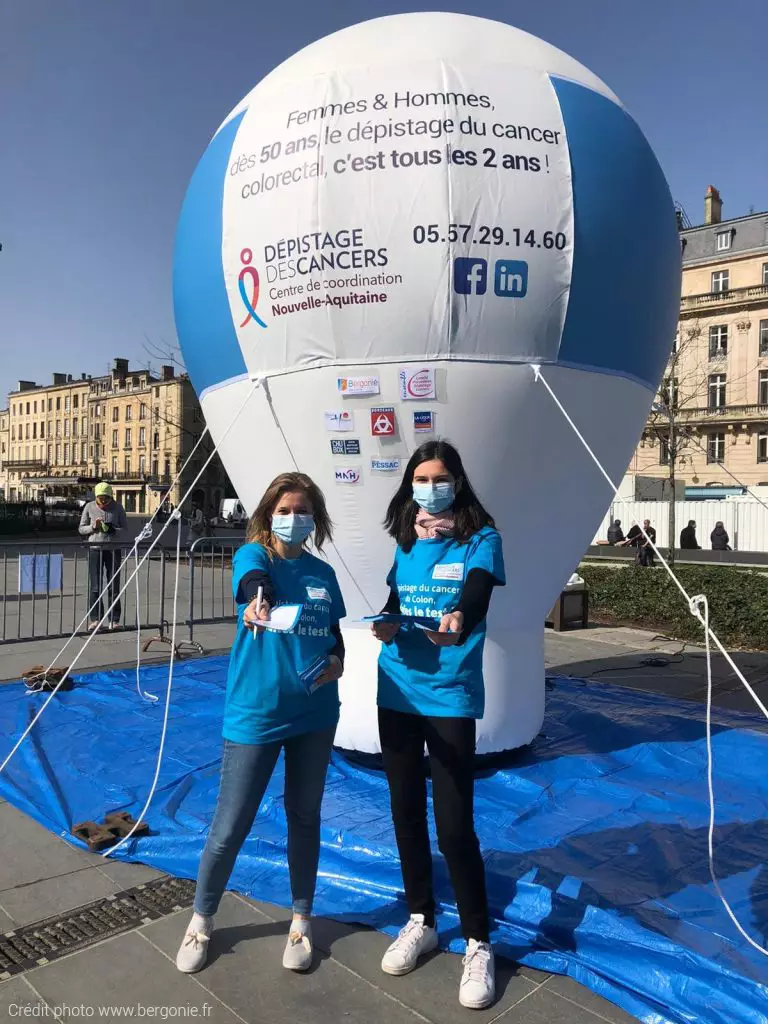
(232, 513)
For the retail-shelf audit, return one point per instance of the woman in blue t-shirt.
(276, 700)
(431, 691)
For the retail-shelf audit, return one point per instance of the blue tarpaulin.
(595, 841)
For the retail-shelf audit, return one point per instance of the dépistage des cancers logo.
(249, 301)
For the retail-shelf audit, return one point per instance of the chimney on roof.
(59, 378)
(120, 368)
(26, 385)
(166, 373)
(713, 206)
(83, 376)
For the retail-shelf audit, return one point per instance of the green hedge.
(647, 598)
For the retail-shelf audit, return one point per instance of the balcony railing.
(25, 464)
(138, 478)
(731, 296)
(727, 412)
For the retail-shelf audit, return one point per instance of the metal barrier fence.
(45, 587)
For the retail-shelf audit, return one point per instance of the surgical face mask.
(434, 498)
(292, 529)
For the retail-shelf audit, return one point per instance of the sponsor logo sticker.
(348, 475)
(383, 421)
(318, 594)
(417, 382)
(345, 446)
(385, 465)
(339, 420)
(424, 421)
(351, 386)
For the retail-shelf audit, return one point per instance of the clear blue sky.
(107, 106)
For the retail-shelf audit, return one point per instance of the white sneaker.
(413, 941)
(298, 949)
(193, 951)
(478, 982)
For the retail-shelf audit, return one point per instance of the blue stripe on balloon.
(625, 283)
(204, 324)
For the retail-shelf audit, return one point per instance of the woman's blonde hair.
(259, 528)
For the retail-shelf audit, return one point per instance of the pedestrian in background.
(688, 540)
(615, 533)
(103, 523)
(720, 539)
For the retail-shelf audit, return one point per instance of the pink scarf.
(430, 526)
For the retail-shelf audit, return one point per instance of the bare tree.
(685, 393)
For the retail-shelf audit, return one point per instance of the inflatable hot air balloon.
(390, 230)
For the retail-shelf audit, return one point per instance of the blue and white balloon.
(390, 229)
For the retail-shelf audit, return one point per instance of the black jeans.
(103, 563)
(451, 746)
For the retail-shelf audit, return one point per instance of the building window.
(127, 465)
(34, 407)
(34, 431)
(142, 411)
(115, 442)
(762, 447)
(765, 275)
(26, 453)
(26, 430)
(84, 452)
(762, 388)
(128, 413)
(723, 240)
(142, 465)
(42, 430)
(66, 428)
(50, 405)
(764, 338)
(127, 437)
(115, 414)
(75, 401)
(58, 428)
(13, 433)
(27, 408)
(50, 453)
(720, 279)
(66, 403)
(74, 427)
(84, 425)
(156, 439)
(663, 451)
(58, 404)
(114, 465)
(154, 467)
(58, 454)
(142, 437)
(718, 341)
(97, 451)
(66, 454)
(167, 468)
(157, 392)
(716, 448)
(97, 432)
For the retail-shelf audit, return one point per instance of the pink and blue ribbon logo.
(252, 301)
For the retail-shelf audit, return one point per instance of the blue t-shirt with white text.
(266, 700)
(416, 676)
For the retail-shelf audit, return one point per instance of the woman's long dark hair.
(469, 514)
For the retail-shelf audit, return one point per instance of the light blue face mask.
(293, 528)
(434, 498)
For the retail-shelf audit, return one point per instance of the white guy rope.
(699, 608)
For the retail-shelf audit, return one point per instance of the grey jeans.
(245, 773)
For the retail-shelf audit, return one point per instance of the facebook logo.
(470, 276)
(510, 279)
